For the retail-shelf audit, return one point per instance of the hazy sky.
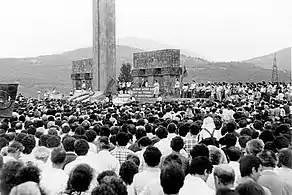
(219, 29)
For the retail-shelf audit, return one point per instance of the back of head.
(200, 166)
(127, 171)
(199, 150)
(268, 158)
(177, 143)
(226, 191)
(250, 188)
(53, 142)
(58, 156)
(152, 156)
(80, 178)
(234, 153)
(81, 147)
(254, 146)
(171, 128)
(225, 174)
(171, 178)
(285, 158)
(122, 139)
(68, 144)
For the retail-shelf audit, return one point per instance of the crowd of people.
(236, 143)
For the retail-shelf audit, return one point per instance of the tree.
(125, 73)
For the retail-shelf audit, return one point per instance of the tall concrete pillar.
(104, 43)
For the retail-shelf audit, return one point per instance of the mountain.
(46, 72)
(283, 60)
(148, 44)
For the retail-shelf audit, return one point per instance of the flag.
(185, 72)
(8, 94)
(110, 84)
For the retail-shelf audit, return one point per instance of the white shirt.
(141, 179)
(80, 160)
(285, 174)
(235, 167)
(195, 185)
(92, 147)
(153, 187)
(104, 161)
(53, 181)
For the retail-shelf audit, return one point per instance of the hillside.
(46, 72)
(283, 60)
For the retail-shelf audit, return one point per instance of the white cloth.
(235, 166)
(141, 179)
(53, 180)
(92, 147)
(80, 160)
(195, 185)
(285, 174)
(153, 187)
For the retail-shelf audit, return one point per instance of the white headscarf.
(208, 124)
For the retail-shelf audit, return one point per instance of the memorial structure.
(82, 74)
(161, 65)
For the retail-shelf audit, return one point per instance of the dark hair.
(8, 176)
(199, 165)
(234, 153)
(230, 127)
(281, 142)
(226, 191)
(58, 156)
(199, 150)
(152, 156)
(268, 158)
(144, 141)
(91, 135)
(80, 130)
(29, 143)
(246, 132)
(250, 188)
(134, 158)
(104, 143)
(122, 139)
(267, 136)
(172, 158)
(80, 178)
(68, 144)
(81, 147)
(229, 140)
(161, 132)
(242, 140)
(20, 136)
(3, 142)
(111, 186)
(195, 129)
(171, 178)
(53, 142)
(127, 171)
(247, 163)
(140, 133)
(177, 143)
(28, 173)
(104, 174)
(171, 128)
(105, 131)
(285, 157)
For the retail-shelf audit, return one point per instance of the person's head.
(224, 176)
(199, 150)
(58, 157)
(254, 146)
(144, 142)
(127, 171)
(268, 158)
(28, 143)
(103, 143)
(250, 166)
(152, 156)
(122, 139)
(134, 158)
(280, 142)
(172, 158)
(41, 153)
(285, 158)
(8, 175)
(91, 135)
(177, 143)
(68, 144)
(15, 149)
(242, 140)
(80, 178)
(161, 132)
(228, 140)
(80, 130)
(215, 155)
(171, 128)
(234, 153)
(81, 147)
(250, 188)
(201, 166)
(104, 174)
(111, 186)
(226, 191)
(267, 136)
(3, 142)
(195, 129)
(53, 142)
(171, 178)
(28, 173)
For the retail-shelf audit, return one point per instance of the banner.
(8, 94)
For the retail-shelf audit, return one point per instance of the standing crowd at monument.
(237, 142)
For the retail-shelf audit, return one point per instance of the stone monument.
(104, 43)
(82, 72)
(161, 65)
